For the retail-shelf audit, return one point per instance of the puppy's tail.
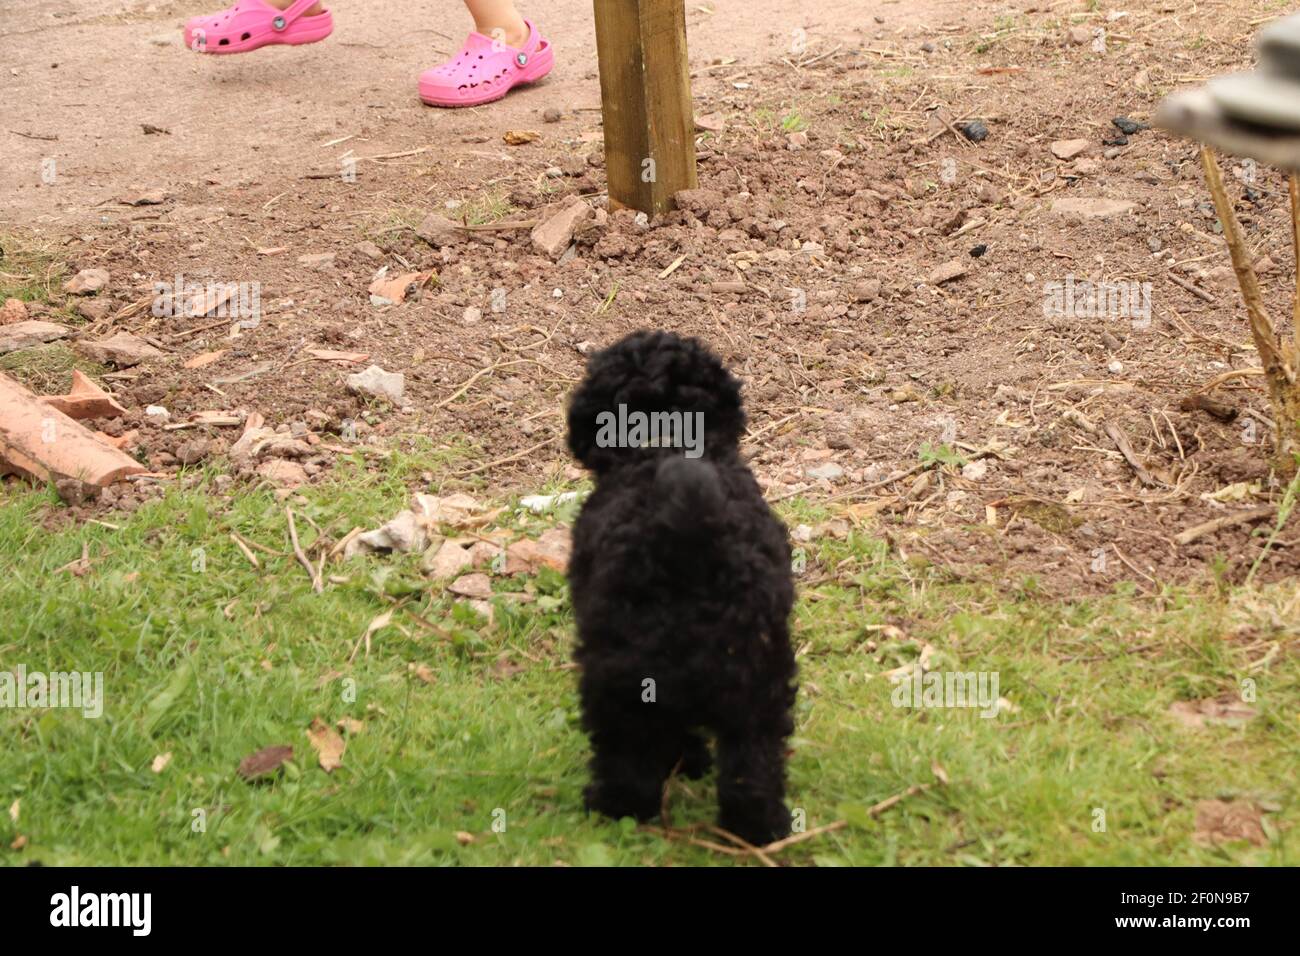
(688, 495)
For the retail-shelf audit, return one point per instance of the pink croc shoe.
(251, 24)
(486, 70)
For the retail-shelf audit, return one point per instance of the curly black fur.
(680, 575)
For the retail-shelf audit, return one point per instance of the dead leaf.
(13, 812)
(160, 762)
(329, 355)
(265, 762)
(505, 668)
(377, 625)
(329, 746)
(1228, 821)
(19, 842)
(394, 290)
(1225, 710)
(463, 838)
(423, 672)
(518, 137)
(458, 510)
(351, 726)
(207, 358)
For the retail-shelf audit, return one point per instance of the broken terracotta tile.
(84, 400)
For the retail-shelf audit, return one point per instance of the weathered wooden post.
(645, 90)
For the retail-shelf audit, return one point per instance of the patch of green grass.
(208, 659)
(29, 271)
(793, 122)
(47, 369)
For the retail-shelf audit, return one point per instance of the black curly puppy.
(682, 588)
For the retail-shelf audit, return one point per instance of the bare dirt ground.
(838, 197)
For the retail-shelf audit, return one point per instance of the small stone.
(476, 585)
(86, 282)
(157, 414)
(369, 250)
(472, 314)
(868, 290)
(552, 236)
(1115, 367)
(975, 470)
(438, 231)
(1078, 36)
(27, 333)
(122, 350)
(1069, 148)
(953, 269)
(975, 131)
(317, 260)
(1127, 126)
(1154, 244)
(1092, 208)
(193, 452)
(1087, 167)
(377, 383)
(551, 115)
(797, 140)
(827, 471)
(448, 560)
(73, 491)
(288, 474)
(95, 310)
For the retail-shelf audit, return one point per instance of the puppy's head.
(642, 377)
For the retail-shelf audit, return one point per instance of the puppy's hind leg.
(751, 786)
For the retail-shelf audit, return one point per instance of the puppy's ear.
(608, 372)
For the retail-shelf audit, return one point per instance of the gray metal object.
(1255, 114)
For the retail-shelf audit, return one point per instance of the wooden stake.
(645, 92)
(1276, 357)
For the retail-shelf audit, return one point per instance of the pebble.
(828, 471)
(86, 282)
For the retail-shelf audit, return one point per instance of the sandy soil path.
(94, 76)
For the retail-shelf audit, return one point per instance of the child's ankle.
(511, 34)
(312, 11)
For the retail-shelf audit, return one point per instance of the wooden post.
(645, 90)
